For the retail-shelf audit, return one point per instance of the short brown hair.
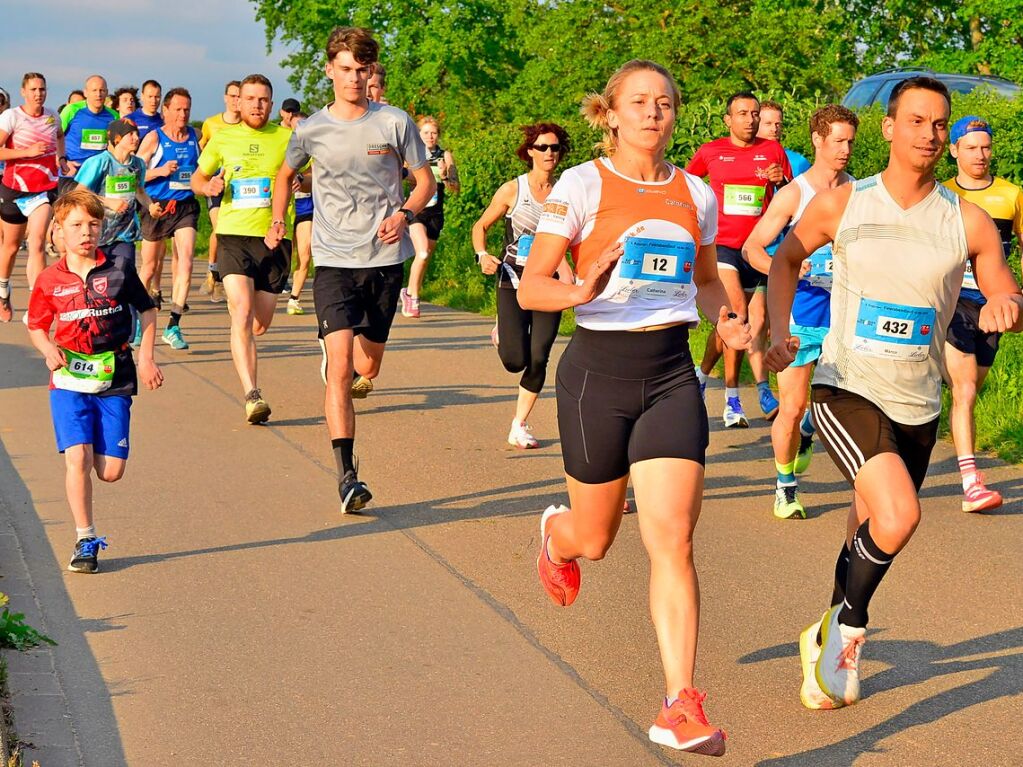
(356, 40)
(918, 83)
(771, 104)
(256, 80)
(829, 114)
(75, 199)
(176, 92)
(530, 133)
(595, 106)
(232, 84)
(32, 76)
(379, 71)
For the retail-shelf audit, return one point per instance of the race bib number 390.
(250, 192)
(894, 331)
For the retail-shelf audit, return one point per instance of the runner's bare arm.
(771, 224)
(1001, 313)
(425, 188)
(51, 352)
(149, 371)
(504, 199)
(279, 205)
(713, 300)
(452, 182)
(540, 290)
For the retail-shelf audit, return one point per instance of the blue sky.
(199, 44)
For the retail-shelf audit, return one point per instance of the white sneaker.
(838, 667)
(734, 417)
(294, 307)
(810, 693)
(520, 437)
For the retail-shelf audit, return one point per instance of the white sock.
(731, 392)
(701, 376)
(86, 532)
(5, 289)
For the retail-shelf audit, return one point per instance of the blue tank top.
(811, 305)
(178, 185)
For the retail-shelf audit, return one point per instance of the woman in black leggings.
(526, 337)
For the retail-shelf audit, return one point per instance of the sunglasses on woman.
(556, 148)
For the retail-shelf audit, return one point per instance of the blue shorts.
(810, 340)
(87, 419)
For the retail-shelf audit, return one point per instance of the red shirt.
(92, 315)
(738, 177)
(38, 174)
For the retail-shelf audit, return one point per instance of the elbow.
(526, 293)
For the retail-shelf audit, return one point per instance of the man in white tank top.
(832, 131)
(901, 245)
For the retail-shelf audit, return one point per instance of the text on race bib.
(28, 204)
(822, 265)
(86, 373)
(180, 180)
(251, 192)
(969, 278)
(121, 187)
(94, 138)
(523, 246)
(894, 331)
(744, 200)
(667, 261)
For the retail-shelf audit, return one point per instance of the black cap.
(118, 129)
(291, 106)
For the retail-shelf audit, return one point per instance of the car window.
(860, 95)
(958, 85)
(881, 97)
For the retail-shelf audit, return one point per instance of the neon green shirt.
(251, 159)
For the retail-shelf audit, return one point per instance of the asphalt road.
(241, 620)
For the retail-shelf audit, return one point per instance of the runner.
(72, 98)
(425, 229)
(172, 155)
(148, 116)
(302, 187)
(31, 146)
(969, 351)
(743, 171)
(902, 242)
(526, 338)
(629, 402)
(772, 123)
(290, 111)
(240, 163)
(93, 378)
(126, 100)
(376, 86)
(85, 126)
(832, 131)
(118, 177)
(357, 148)
(214, 286)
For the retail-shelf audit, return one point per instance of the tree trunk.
(976, 38)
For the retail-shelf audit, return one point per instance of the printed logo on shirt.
(253, 148)
(555, 208)
(65, 290)
(679, 204)
(99, 284)
(643, 190)
(123, 442)
(724, 158)
(378, 148)
(759, 158)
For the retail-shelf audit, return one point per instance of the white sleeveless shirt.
(895, 284)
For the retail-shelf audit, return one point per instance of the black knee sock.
(867, 566)
(841, 575)
(175, 320)
(344, 452)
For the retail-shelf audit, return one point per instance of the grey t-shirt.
(357, 174)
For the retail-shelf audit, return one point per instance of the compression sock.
(867, 566)
(344, 455)
(175, 317)
(293, 297)
(968, 468)
(806, 427)
(786, 473)
(841, 576)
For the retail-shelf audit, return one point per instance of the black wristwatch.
(409, 215)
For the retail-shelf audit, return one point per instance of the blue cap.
(962, 126)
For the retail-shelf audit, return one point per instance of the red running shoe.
(561, 582)
(684, 726)
(978, 498)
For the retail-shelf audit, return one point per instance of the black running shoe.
(354, 494)
(85, 559)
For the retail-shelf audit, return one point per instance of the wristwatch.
(409, 215)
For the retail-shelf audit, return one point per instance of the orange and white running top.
(662, 225)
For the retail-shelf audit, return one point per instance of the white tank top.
(519, 229)
(896, 281)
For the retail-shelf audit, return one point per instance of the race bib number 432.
(894, 331)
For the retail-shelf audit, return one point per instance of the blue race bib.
(894, 331)
(650, 260)
(250, 192)
(822, 263)
(522, 248)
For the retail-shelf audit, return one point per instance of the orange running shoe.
(561, 582)
(684, 726)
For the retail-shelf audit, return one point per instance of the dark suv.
(876, 88)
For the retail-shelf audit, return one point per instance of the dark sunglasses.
(556, 148)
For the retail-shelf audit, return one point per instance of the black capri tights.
(525, 339)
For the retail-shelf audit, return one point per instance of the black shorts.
(213, 203)
(628, 397)
(66, 184)
(239, 254)
(749, 278)
(964, 333)
(854, 430)
(184, 214)
(301, 218)
(10, 213)
(433, 220)
(360, 300)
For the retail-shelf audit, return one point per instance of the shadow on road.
(912, 663)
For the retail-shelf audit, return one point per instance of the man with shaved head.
(85, 127)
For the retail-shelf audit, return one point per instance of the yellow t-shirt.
(1003, 201)
(210, 126)
(251, 159)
